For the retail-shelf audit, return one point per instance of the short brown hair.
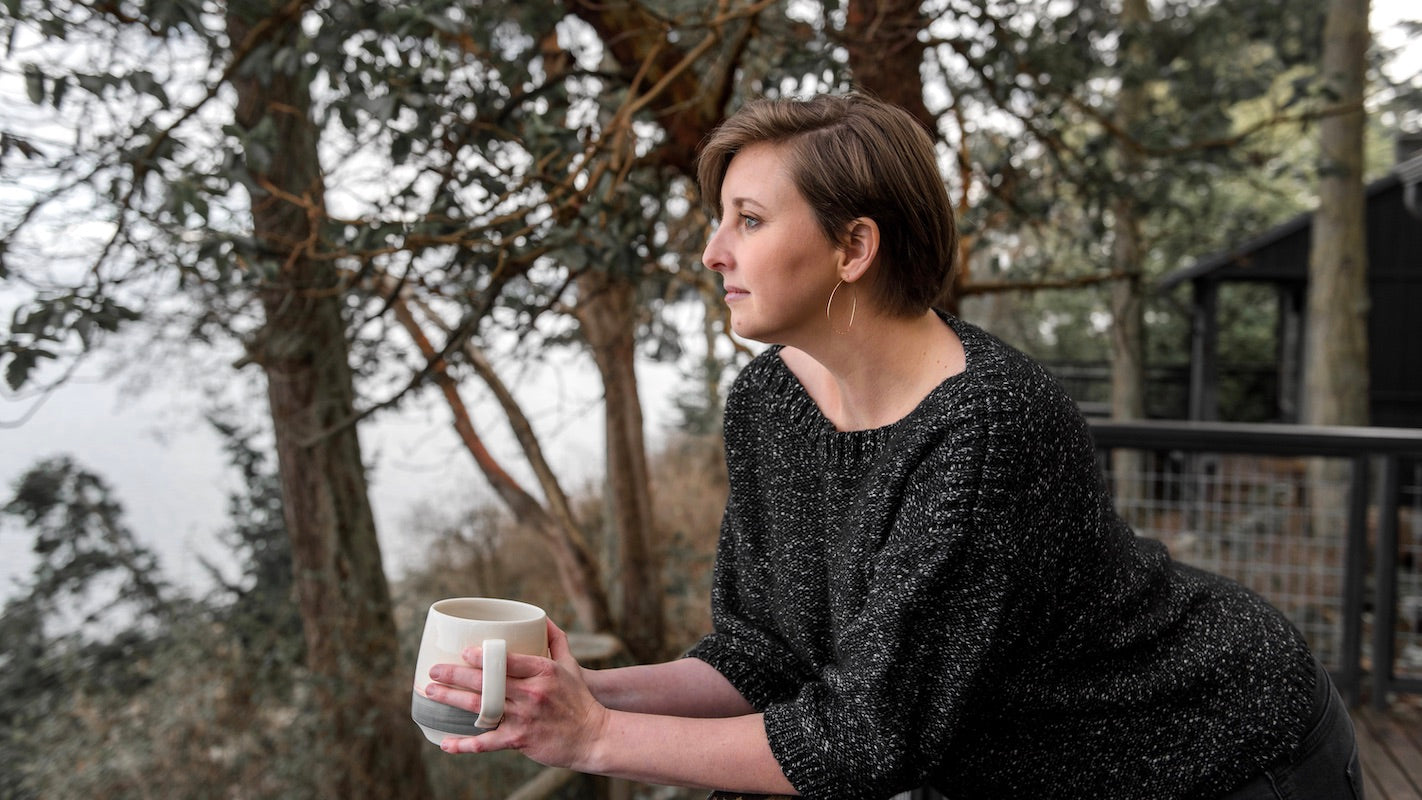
(855, 156)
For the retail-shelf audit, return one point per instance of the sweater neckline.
(806, 416)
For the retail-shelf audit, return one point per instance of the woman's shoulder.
(766, 387)
(1004, 413)
(765, 371)
(993, 360)
(1000, 375)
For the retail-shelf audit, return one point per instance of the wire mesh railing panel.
(1408, 631)
(1274, 524)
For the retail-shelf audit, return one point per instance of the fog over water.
(165, 464)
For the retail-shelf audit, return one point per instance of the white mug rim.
(514, 611)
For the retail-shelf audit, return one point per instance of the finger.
(521, 665)
(473, 655)
(500, 738)
(450, 696)
(457, 675)
(460, 744)
(483, 743)
(557, 640)
(560, 650)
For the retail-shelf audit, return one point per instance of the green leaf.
(56, 94)
(22, 362)
(53, 27)
(27, 320)
(110, 315)
(96, 84)
(143, 81)
(34, 83)
(84, 329)
(400, 149)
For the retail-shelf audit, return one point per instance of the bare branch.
(1075, 282)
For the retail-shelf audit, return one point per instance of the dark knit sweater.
(951, 599)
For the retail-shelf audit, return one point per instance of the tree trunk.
(886, 55)
(607, 311)
(361, 687)
(886, 59)
(1336, 353)
(1336, 337)
(1127, 315)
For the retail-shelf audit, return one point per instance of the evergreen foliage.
(467, 167)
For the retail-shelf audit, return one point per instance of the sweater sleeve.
(913, 664)
(744, 645)
(744, 649)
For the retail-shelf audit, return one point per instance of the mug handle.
(491, 704)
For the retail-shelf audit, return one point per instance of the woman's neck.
(879, 371)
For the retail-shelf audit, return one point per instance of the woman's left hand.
(549, 713)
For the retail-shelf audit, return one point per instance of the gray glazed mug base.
(438, 720)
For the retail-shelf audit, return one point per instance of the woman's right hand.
(550, 714)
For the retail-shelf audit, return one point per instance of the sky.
(166, 466)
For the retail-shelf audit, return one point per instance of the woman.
(920, 578)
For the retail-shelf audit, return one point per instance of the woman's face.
(777, 267)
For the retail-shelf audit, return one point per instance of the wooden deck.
(1390, 748)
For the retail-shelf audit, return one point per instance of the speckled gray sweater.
(951, 600)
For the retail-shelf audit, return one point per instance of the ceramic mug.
(498, 626)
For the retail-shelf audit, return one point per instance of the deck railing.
(1305, 515)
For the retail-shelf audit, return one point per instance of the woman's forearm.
(687, 687)
(730, 753)
(679, 723)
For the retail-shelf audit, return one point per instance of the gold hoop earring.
(853, 306)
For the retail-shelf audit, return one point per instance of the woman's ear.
(860, 248)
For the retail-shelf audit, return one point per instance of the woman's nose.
(714, 256)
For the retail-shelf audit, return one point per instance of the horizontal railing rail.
(1262, 438)
(1385, 449)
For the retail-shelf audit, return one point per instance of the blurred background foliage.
(467, 185)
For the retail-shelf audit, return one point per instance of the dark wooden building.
(1279, 258)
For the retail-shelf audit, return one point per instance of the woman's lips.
(735, 293)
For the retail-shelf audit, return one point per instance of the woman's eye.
(749, 223)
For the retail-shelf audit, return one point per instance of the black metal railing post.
(1385, 588)
(1355, 565)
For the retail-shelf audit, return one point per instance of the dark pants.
(1325, 765)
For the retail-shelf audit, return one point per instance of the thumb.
(558, 648)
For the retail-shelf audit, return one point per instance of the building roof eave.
(1241, 252)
